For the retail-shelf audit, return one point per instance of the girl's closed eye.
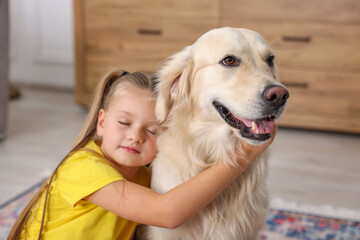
(124, 123)
(153, 131)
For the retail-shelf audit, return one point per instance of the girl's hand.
(247, 152)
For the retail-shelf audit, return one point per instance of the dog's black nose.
(275, 95)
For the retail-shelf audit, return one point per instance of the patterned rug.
(11, 209)
(281, 225)
(286, 225)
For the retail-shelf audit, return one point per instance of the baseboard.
(320, 210)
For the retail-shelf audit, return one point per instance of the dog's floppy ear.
(174, 81)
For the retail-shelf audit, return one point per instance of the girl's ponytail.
(103, 88)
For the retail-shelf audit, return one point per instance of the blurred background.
(54, 52)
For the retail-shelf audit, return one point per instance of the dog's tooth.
(253, 126)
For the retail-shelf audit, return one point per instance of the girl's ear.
(100, 123)
(173, 81)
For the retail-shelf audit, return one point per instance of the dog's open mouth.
(256, 129)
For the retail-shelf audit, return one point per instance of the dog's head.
(228, 74)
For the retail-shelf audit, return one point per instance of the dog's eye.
(230, 61)
(270, 60)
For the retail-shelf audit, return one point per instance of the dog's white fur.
(195, 135)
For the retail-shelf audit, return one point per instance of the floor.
(307, 169)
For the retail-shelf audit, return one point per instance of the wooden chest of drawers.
(133, 35)
(316, 45)
(317, 49)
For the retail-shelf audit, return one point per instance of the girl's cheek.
(154, 146)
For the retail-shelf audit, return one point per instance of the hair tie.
(123, 74)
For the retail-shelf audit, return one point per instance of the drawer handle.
(154, 32)
(296, 85)
(296, 39)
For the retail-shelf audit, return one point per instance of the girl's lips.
(130, 149)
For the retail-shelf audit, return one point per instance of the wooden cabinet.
(317, 49)
(133, 35)
(316, 45)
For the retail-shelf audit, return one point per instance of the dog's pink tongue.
(265, 126)
(260, 126)
(247, 122)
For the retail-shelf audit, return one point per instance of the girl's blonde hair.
(106, 89)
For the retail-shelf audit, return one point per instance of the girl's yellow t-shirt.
(68, 216)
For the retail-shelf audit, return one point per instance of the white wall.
(42, 42)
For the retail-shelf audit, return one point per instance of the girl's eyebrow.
(130, 114)
(127, 113)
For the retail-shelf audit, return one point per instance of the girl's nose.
(135, 136)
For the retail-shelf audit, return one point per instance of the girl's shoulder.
(89, 159)
(90, 150)
(82, 173)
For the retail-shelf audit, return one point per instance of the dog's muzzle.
(258, 129)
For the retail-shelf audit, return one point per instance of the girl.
(100, 189)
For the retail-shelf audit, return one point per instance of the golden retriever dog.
(222, 89)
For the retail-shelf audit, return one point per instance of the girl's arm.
(171, 209)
